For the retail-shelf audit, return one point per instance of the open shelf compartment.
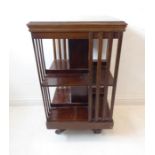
(60, 74)
(63, 108)
(72, 113)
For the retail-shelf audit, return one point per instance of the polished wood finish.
(74, 79)
(76, 112)
(77, 26)
(63, 66)
(80, 125)
(98, 76)
(80, 98)
(62, 97)
(107, 68)
(90, 76)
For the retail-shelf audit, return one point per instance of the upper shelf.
(80, 26)
(63, 66)
(73, 79)
(60, 74)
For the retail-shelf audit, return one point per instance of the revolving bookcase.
(82, 73)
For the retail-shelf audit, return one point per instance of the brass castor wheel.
(59, 131)
(97, 131)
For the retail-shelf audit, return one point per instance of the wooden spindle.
(42, 55)
(39, 59)
(37, 62)
(116, 72)
(107, 68)
(45, 101)
(54, 49)
(98, 76)
(59, 46)
(90, 59)
(64, 46)
(48, 97)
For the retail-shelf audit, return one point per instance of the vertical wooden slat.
(90, 59)
(49, 98)
(98, 76)
(108, 60)
(116, 72)
(67, 52)
(65, 55)
(54, 49)
(46, 107)
(60, 56)
(42, 55)
(37, 61)
(41, 60)
(64, 47)
(59, 45)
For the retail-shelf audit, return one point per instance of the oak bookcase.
(80, 72)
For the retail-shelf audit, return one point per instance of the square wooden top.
(80, 26)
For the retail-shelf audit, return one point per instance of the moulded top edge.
(77, 26)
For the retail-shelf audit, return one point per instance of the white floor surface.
(29, 136)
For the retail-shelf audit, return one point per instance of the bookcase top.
(80, 26)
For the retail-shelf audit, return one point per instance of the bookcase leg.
(97, 131)
(59, 131)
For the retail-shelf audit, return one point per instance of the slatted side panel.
(40, 61)
(98, 108)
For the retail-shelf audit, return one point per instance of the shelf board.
(74, 79)
(63, 66)
(62, 95)
(75, 113)
(63, 109)
(60, 74)
(62, 98)
(72, 113)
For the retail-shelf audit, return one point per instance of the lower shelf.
(63, 97)
(74, 113)
(65, 114)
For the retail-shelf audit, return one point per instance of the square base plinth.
(80, 125)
